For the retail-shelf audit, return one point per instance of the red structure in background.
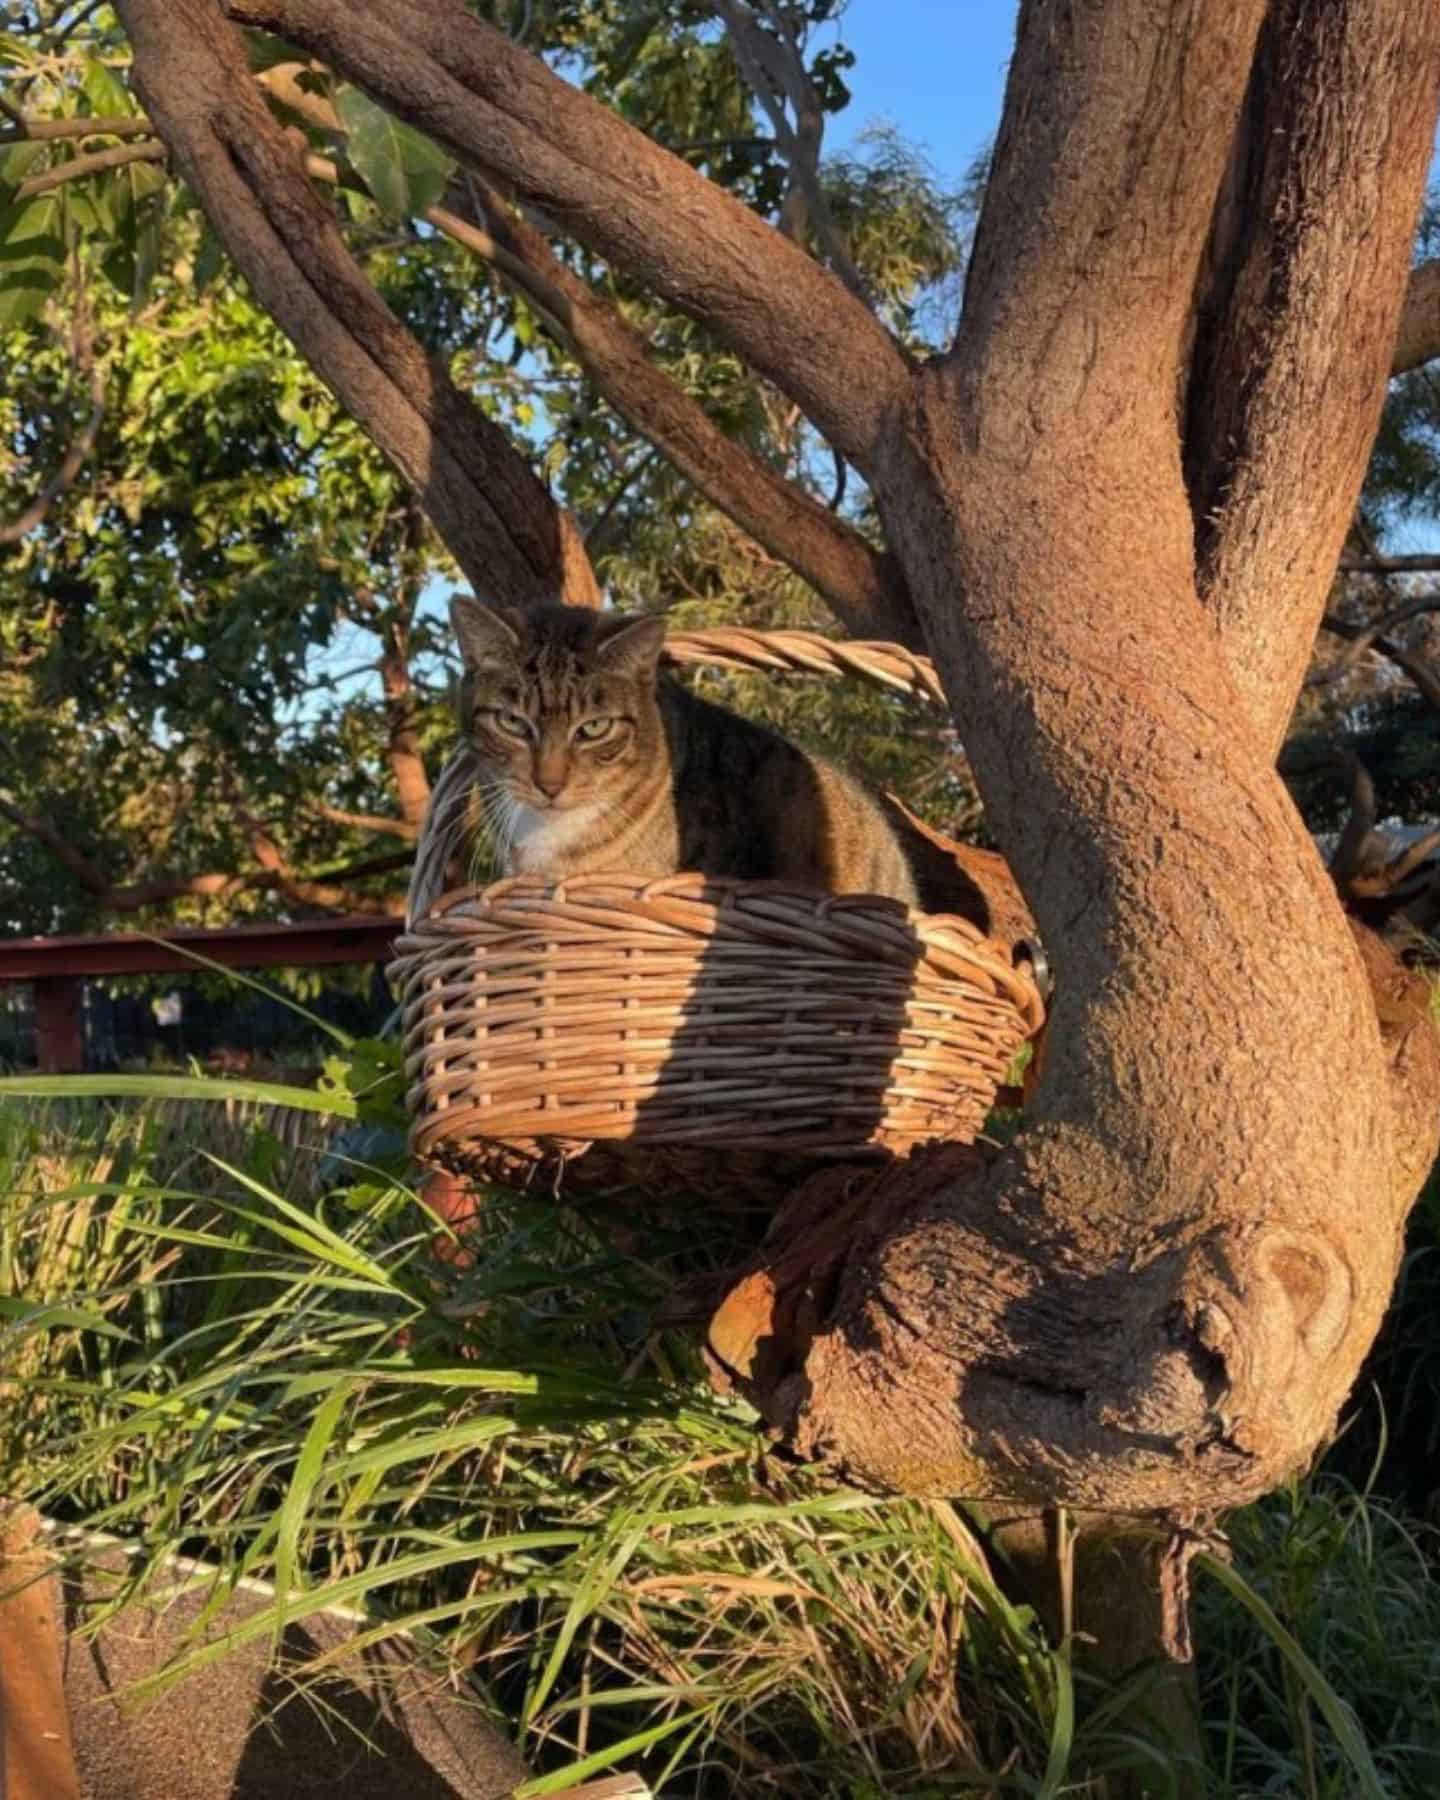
(59, 966)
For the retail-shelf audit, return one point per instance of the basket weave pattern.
(690, 1014)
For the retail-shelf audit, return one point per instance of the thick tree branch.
(1138, 1304)
(863, 585)
(1418, 340)
(507, 534)
(500, 109)
(1300, 319)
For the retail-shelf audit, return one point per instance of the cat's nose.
(550, 781)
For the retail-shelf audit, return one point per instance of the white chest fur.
(542, 842)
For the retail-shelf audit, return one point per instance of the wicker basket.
(716, 1035)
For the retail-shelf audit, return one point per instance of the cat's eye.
(513, 724)
(590, 731)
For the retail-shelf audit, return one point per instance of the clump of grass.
(507, 1458)
(1354, 1589)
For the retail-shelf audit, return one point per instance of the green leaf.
(1336, 1713)
(209, 260)
(402, 168)
(106, 95)
(174, 1087)
(17, 162)
(42, 1316)
(32, 257)
(262, 51)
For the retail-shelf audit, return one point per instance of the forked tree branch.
(864, 586)
(507, 534)
(1308, 256)
(1366, 636)
(503, 112)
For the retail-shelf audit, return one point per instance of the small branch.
(1425, 563)
(321, 890)
(78, 451)
(97, 163)
(43, 130)
(1367, 636)
(384, 827)
(864, 586)
(773, 66)
(1349, 855)
(1426, 680)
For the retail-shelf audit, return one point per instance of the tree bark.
(1297, 326)
(511, 539)
(503, 111)
(1158, 1297)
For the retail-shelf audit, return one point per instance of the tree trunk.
(1158, 1297)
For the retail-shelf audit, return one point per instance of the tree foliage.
(194, 629)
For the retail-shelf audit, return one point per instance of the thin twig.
(95, 164)
(1423, 563)
(35, 131)
(77, 452)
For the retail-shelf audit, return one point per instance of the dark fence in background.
(70, 1003)
(180, 1020)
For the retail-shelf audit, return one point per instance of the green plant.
(507, 1457)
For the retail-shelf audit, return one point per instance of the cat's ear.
(484, 637)
(633, 647)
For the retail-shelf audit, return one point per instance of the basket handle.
(807, 653)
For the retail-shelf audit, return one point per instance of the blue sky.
(948, 104)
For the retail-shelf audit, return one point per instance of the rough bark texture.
(507, 534)
(1157, 1298)
(503, 111)
(1298, 319)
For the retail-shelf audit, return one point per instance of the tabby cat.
(591, 761)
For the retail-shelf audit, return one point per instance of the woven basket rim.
(619, 892)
